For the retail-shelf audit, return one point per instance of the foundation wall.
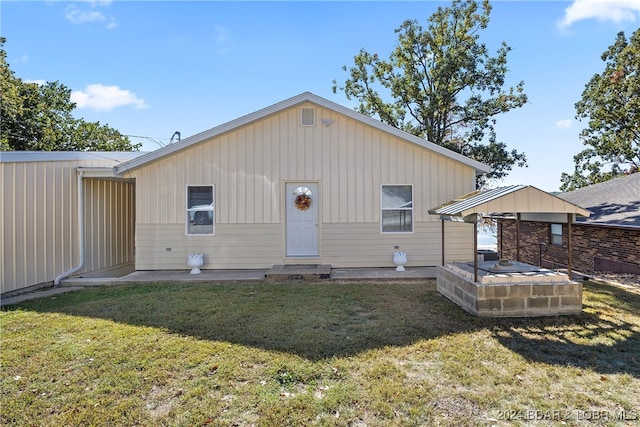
(510, 299)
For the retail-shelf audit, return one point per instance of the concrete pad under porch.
(520, 290)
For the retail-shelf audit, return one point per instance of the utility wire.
(155, 140)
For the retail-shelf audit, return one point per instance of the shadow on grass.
(604, 338)
(319, 321)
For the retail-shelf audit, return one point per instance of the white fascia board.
(104, 173)
(65, 156)
(480, 168)
(97, 172)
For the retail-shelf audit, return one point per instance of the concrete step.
(308, 272)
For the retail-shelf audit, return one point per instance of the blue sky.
(149, 69)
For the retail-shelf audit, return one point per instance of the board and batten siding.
(249, 167)
(40, 221)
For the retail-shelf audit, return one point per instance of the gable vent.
(308, 117)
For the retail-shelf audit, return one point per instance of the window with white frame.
(200, 209)
(556, 234)
(396, 202)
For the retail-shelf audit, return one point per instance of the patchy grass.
(362, 354)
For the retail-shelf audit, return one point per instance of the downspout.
(57, 280)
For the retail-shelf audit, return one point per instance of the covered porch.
(508, 288)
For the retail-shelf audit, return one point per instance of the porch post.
(518, 237)
(475, 250)
(500, 250)
(442, 237)
(569, 246)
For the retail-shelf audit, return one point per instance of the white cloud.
(563, 124)
(105, 98)
(38, 82)
(222, 39)
(90, 16)
(604, 10)
(22, 58)
(111, 24)
(83, 16)
(222, 34)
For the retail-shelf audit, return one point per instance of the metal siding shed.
(39, 220)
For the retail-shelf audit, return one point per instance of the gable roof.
(480, 168)
(507, 200)
(613, 202)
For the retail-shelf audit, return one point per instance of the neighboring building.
(305, 181)
(608, 240)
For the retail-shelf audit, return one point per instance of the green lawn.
(346, 354)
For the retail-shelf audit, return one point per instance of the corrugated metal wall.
(109, 223)
(39, 221)
(249, 167)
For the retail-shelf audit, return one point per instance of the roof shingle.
(613, 202)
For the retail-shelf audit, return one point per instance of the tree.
(443, 84)
(611, 103)
(39, 117)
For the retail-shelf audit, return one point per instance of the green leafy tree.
(611, 104)
(39, 117)
(442, 84)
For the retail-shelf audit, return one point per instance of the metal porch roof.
(508, 200)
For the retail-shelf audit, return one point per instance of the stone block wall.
(591, 244)
(514, 299)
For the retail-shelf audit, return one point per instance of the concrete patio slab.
(212, 276)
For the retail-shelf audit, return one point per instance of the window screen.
(397, 208)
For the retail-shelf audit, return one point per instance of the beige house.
(304, 181)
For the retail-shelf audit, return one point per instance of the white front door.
(302, 219)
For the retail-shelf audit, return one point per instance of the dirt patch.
(159, 401)
(457, 406)
(624, 279)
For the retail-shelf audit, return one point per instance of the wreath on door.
(302, 202)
